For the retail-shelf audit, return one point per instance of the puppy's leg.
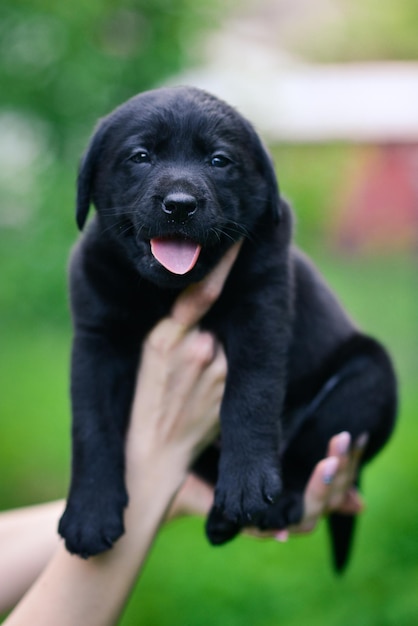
(218, 528)
(254, 330)
(102, 387)
(360, 397)
(249, 479)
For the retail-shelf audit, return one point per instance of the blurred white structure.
(373, 104)
(360, 102)
(290, 100)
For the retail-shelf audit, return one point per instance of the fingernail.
(343, 442)
(330, 469)
(362, 441)
(282, 536)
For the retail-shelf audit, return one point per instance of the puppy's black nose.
(180, 206)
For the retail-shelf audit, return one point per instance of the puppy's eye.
(141, 156)
(220, 160)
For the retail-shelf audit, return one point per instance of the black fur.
(299, 371)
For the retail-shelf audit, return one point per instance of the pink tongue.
(178, 256)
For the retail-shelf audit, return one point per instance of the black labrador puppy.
(177, 176)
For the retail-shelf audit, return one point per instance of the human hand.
(330, 489)
(174, 414)
(331, 486)
(181, 379)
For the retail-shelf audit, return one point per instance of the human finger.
(204, 400)
(322, 483)
(352, 504)
(317, 494)
(196, 300)
(175, 360)
(342, 498)
(339, 447)
(357, 451)
(330, 487)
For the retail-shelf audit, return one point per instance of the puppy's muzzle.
(179, 206)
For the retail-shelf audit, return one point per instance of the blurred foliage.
(62, 65)
(67, 63)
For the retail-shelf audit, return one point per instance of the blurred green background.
(62, 66)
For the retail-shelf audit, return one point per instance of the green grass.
(249, 581)
(34, 405)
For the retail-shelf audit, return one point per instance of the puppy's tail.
(341, 528)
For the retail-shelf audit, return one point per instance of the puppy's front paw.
(90, 528)
(246, 490)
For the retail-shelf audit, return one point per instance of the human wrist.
(162, 451)
(155, 474)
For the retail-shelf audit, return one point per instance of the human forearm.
(28, 538)
(177, 400)
(175, 413)
(72, 591)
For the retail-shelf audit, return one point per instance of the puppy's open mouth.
(177, 254)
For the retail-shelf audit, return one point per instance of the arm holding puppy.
(175, 414)
(173, 417)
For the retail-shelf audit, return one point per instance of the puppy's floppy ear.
(86, 174)
(267, 172)
(273, 193)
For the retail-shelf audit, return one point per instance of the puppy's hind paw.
(243, 497)
(287, 511)
(219, 530)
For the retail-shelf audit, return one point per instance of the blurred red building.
(379, 205)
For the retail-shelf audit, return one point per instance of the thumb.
(195, 301)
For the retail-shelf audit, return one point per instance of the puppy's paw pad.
(243, 499)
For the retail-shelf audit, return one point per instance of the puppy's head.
(176, 176)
